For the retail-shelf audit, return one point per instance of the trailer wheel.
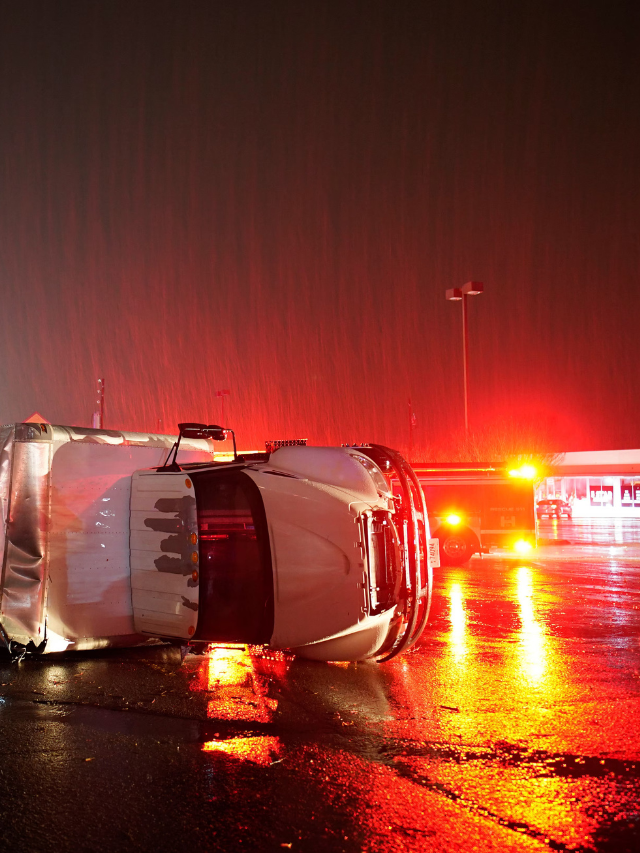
(456, 547)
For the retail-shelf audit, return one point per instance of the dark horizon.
(273, 199)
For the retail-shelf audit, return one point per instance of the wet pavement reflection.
(590, 531)
(512, 726)
(236, 680)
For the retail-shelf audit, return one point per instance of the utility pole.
(97, 420)
(412, 423)
(222, 394)
(459, 294)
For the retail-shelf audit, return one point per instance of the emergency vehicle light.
(527, 472)
(522, 546)
(453, 519)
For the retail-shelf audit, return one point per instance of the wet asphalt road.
(513, 726)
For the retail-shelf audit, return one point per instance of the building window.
(630, 492)
(581, 488)
(600, 493)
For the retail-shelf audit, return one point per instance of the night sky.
(273, 197)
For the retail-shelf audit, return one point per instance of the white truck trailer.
(105, 541)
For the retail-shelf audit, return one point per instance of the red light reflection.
(259, 750)
(458, 617)
(532, 635)
(237, 680)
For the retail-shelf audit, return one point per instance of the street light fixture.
(459, 294)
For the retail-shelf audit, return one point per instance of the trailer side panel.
(24, 570)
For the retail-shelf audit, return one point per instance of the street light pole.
(222, 394)
(97, 419)
(459, 294)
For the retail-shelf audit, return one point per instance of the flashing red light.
(527, 472)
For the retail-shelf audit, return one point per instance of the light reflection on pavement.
(512, 726)
(458, 622)
(261, 750)
(532, 639)
(524, 738)
(591, 531)
(238, 691)
(499, 713)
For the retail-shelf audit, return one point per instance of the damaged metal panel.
(164, 555)
(24, 570)
(64, 496)
(191, 450)
(6, 455)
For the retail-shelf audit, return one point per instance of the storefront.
(599, 483)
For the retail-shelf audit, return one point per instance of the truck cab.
(299, 551)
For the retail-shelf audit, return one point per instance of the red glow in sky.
(273, 198)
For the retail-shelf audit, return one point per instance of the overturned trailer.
(106, 541)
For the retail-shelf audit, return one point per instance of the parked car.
(553, 508)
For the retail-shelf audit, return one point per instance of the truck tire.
(456, 547)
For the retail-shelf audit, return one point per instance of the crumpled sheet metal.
(6, 452)
(205, 447)
(24, 490)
